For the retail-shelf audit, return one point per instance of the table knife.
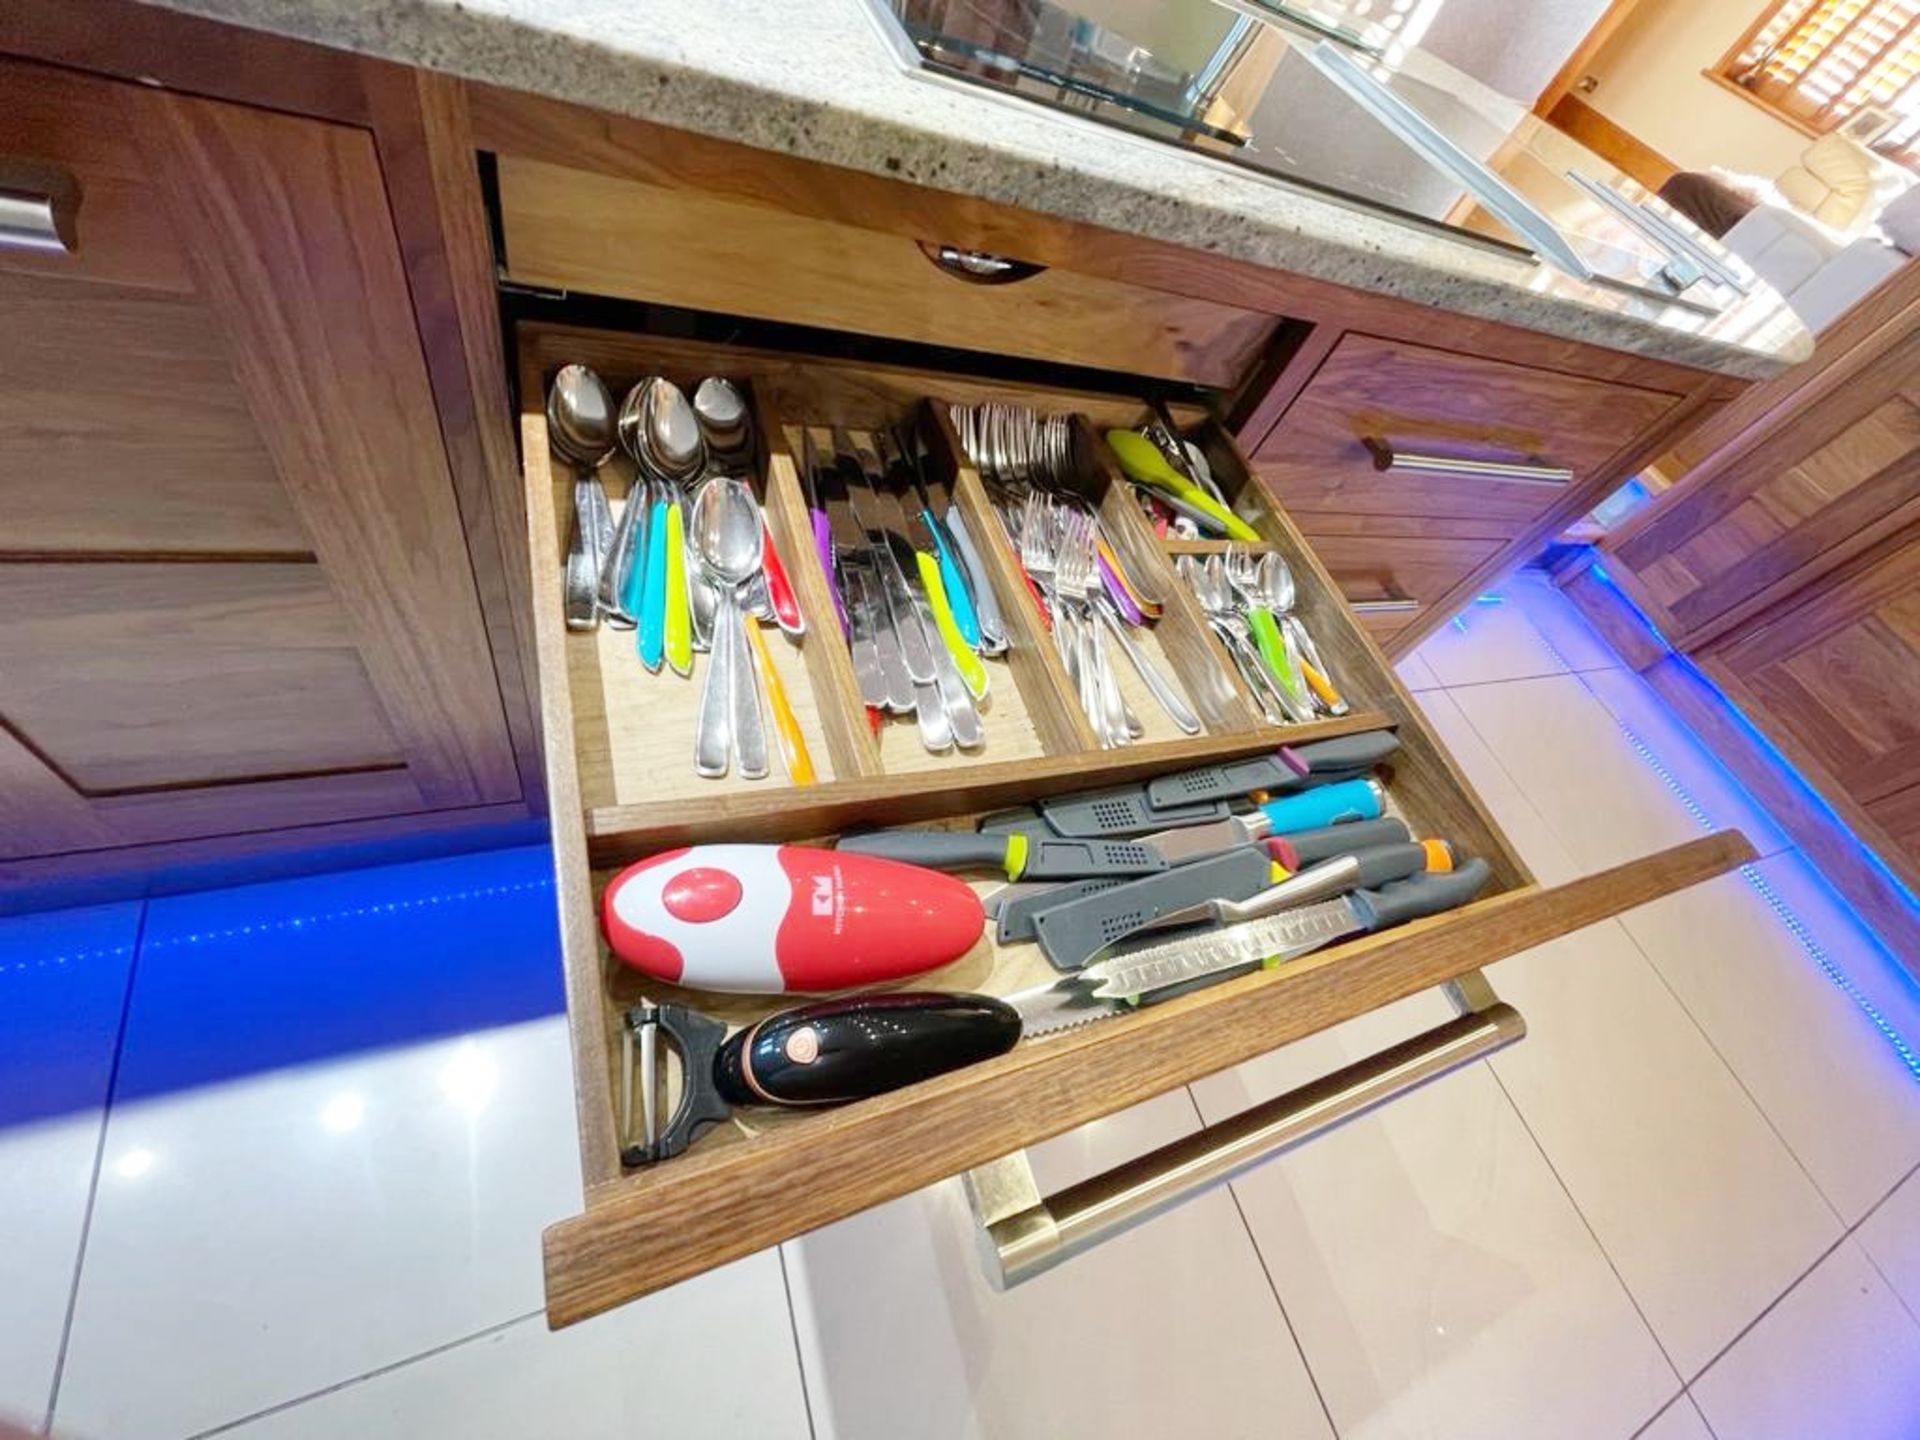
(1159, 971)
(1021, 856)
(822, 526)
(953, 579)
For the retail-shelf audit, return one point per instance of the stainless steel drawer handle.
(1401, 462)
(38, 219)
(977, 267)
(1388, 605)
(1025, 1234)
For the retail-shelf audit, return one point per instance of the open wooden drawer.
(772, 1175)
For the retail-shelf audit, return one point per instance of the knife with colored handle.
(993, 629)
(786, 725)
(786, 606)
(1356, 869)
(1143, 974)
(953, 580)
(822, 527)
(1021, 857)
(1074, 928)
(650, 636)
(1143, 462)
(1309, 847)
(1350, 800)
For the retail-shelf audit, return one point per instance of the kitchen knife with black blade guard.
(1294, 766)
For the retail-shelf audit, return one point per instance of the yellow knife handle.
(679, 630)
(964, 660)
(1321, 686)
(793, 745)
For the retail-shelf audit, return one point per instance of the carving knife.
(1331, 804)
(1145, 974)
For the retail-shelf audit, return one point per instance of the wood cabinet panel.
(141, 677)
(1376, 567)
(1837, 679)
(235, 591)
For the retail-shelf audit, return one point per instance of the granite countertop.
(818, 80)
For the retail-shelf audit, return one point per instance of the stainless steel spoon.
(726, 531)
(580, 428)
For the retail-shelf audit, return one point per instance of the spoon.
(726, 424)
(580, 430)
(672, 435)
(726, 532)
(1277, 581)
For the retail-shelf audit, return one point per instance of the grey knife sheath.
(1124, 810)
(1013, 917)
(1036, 859)
(1071, 934)
(1310, 847)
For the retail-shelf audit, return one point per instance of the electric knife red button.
(701, 894)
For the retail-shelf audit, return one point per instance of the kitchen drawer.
(1451, 415)
(772, 1175)
(706, 252)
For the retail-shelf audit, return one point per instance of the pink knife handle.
(786, 609)
(823, 543)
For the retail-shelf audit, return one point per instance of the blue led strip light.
(1795, 926)
(45, 961)
(392, 907)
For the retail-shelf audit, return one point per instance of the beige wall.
(1651, 86)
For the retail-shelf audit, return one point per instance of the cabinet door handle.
(39, 218)
(1386, 605)
(1402, 462)
(1027, 1233)
(977, 267)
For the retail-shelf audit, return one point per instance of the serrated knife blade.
(1064, 1005)
(1233, 947)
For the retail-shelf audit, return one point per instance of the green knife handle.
(1273, 649)
(942, 849)
(1423, 894)
(964, 660)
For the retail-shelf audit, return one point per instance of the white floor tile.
(1839, 1356)
(1170, 1329)
(294, 1191)
(1516, 816)
(1697, 1202)
(712, 1357)
(1561, 626)
(1415, 673)
(1891, 1235)
(1679, 1421)
(63, 986)
(1440, 1282)
(1603, 799)
(1827, 1078)
(1491, 639)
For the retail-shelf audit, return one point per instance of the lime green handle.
(1143, 462)
(1273, 650)
(964, 660)
(679, 642)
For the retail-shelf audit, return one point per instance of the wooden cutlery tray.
(621, 786)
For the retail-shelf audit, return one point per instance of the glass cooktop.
(1294, 89)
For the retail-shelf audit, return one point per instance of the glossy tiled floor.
(274, 1163)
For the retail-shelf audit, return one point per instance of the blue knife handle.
(1335, 804)
(953, 578)
(651, 634)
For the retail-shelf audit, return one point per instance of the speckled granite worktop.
(815, 78)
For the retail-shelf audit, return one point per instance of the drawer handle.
(39, 218)
(1026, 1233)
(977, 267)
(1387, 605)
(1385, 457)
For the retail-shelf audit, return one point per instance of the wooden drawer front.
(1398, 567)
(776, 1174)
(1418, 401)
(706, 253)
